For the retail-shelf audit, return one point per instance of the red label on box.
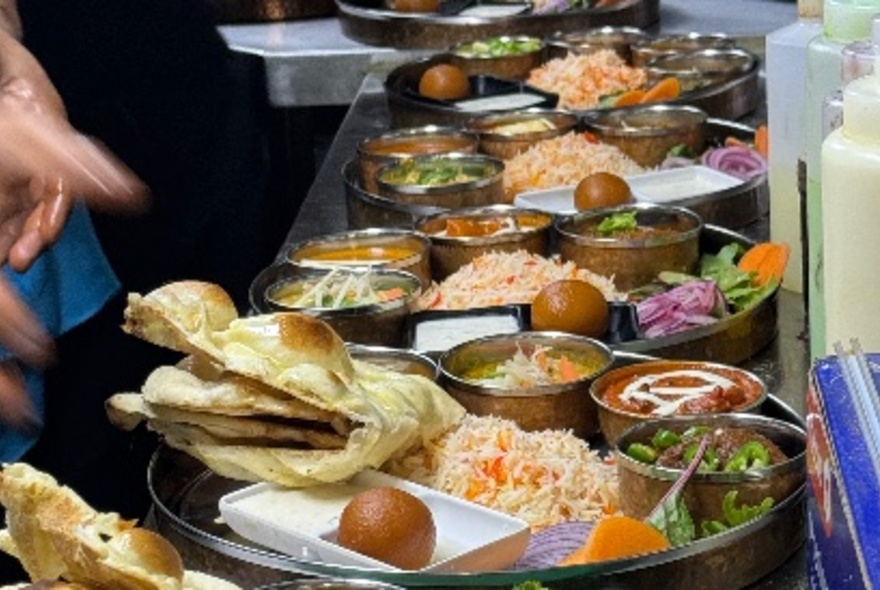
(819, 462)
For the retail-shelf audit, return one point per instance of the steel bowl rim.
(372, 309)
(542, 45)
(569, 121)
(655, 65)
(409, 133)
(482, 241)
(607, 30)
(600, 399)
(357, 191)
(731, 419)
(402, 353)
(692, 36)
(610, 122)
(496, 164)
(562, 224)
(359, 234)
(529, 336)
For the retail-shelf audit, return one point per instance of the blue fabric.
(65, 286)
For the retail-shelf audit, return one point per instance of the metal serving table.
(783, 364)
(311, 62)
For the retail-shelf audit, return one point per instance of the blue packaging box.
(843, 427)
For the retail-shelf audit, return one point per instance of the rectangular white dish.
(303, 523)
(661, 186)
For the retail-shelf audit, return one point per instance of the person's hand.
(45, 165)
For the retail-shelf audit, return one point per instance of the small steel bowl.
(449, 253)
(698, 69)
(643, 485)
(400, 360)
(368, 248)
(632, 261)
(508, 66)
(617, 39)
(393, 146)
(647, 49)
(614, 421)
(560, 406)
(647, 133)
(485, 188)
(379, 323)
(504, 135)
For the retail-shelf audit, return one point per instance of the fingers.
(20, 330)
(16, 409)
(39, 145)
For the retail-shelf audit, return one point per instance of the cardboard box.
(843, 430)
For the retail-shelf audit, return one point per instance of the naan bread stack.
(273, 397)
(57, 536)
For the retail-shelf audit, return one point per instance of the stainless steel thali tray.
(731, 208)
(186, 495)
(726, 100)
(368, 21)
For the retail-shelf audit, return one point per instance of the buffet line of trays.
(463, 395)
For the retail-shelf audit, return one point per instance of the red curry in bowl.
(671, 388)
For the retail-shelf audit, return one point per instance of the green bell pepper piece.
(642, 453)
(751, 455)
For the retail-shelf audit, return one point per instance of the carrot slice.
(767, 260)
(666, 89)
(615, 537)
(762, 140)
(630, 97)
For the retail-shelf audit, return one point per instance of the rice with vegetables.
(506, 278)
(581, 80)
(564, 161)
(545, 477)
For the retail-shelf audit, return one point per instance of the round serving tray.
(727, 100)
(368, 21)
(732, 208)
(186, 496)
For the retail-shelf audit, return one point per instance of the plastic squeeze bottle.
(785, 65)
(850, 160)
(843, 22)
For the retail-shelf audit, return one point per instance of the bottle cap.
(845, 21)
(809, 9)
(857, 60)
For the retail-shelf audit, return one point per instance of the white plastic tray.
(303, 523)
(661, 186)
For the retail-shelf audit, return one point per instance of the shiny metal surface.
(369, 22)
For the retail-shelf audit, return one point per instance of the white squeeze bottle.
(785, 64)
(850, 161)
(843, 22)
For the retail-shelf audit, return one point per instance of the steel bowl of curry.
(654, 389)
(750, 464)
(447, 180)
(505, 135)
(645, 50)
(632, 243)
(363, 305)
(461, 235)
(367, 248)
(540, 380)
(393, 146)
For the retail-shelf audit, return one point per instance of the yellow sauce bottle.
(850, 167)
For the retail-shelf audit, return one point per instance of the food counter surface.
(310, 62)
(783, 365)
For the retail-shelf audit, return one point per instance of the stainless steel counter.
(311, 62)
